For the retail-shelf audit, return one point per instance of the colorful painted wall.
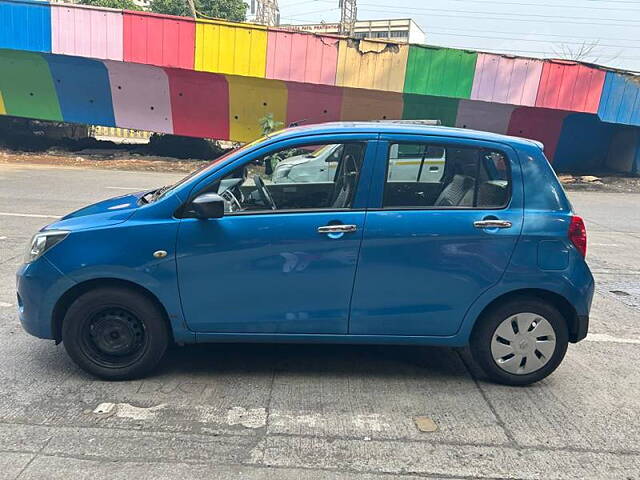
(216, 79)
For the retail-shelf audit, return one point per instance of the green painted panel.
(27, 87)
(440, 71)
(421, 107)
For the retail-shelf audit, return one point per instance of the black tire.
(115, 334)
(483, 336)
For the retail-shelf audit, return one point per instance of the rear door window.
(423, 175)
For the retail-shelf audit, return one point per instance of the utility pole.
(192, 7)
(348, 17)
(266, 12)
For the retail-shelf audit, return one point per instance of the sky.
(607, 30)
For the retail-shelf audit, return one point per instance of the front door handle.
(337, 229)
(493, 224)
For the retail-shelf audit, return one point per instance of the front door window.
(308, 177)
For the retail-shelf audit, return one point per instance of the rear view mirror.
(208, 205)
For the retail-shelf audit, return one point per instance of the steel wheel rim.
(114, 337)
(523, 343)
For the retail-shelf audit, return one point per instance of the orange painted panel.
(358, 104)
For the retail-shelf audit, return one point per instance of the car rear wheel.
(115, 334)
(520, 342)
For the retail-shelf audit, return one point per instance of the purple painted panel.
(506, 80)
(141, 96)
(86, 32)
(490, 117)
(302, 57)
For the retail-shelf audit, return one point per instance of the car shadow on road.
(357, 360)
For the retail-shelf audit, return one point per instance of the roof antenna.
(297, 123)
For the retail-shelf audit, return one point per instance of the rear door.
(432, 246)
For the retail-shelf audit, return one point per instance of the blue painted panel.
(584, 143)
(25, 25)
(83, 90)
(620, 101)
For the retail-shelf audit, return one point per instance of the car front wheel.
(520, 342)
(115, 334)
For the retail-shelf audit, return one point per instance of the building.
(399, 30)
(143, 4)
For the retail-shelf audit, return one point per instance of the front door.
(432, 244)
(283, 258)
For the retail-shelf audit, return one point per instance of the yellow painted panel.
(234, 49)
(2, 110)
(372, 65)
(250, 99)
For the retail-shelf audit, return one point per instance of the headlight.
(43, 241)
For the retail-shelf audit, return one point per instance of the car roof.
(399, 127)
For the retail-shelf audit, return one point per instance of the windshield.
(163, 191)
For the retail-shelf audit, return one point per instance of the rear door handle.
(492, 224)
(337, 229)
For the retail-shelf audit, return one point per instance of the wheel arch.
(66, 299)
(563, 305)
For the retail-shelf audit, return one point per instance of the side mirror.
(208, 205)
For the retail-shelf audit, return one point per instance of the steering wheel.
(264, 193)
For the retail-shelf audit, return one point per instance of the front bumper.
(39, 286)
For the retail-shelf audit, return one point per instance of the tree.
(234, 10)
(121, 4)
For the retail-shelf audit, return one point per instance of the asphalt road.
(339, 412)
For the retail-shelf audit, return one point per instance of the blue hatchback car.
(424, 235)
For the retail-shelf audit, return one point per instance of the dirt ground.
(107, 159)
(125, 160)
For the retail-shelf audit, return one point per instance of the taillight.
(578, 234)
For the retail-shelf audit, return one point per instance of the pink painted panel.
(308, 104)
(141, 96)
(570, 86)
(489, 117)
(86, 32)
(506, 80)
(302, 57)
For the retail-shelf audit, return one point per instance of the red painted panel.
(570, 86)
(539, 124)
(199, 103)
(313, 103)
(161, 40)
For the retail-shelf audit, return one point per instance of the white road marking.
(249, 418)
(604, 244)
(603, 337)
(3, 238)
(5, 305)
(135, 189)
(29, 215)
(126, 410)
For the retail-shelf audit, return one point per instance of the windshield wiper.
(153, 195)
